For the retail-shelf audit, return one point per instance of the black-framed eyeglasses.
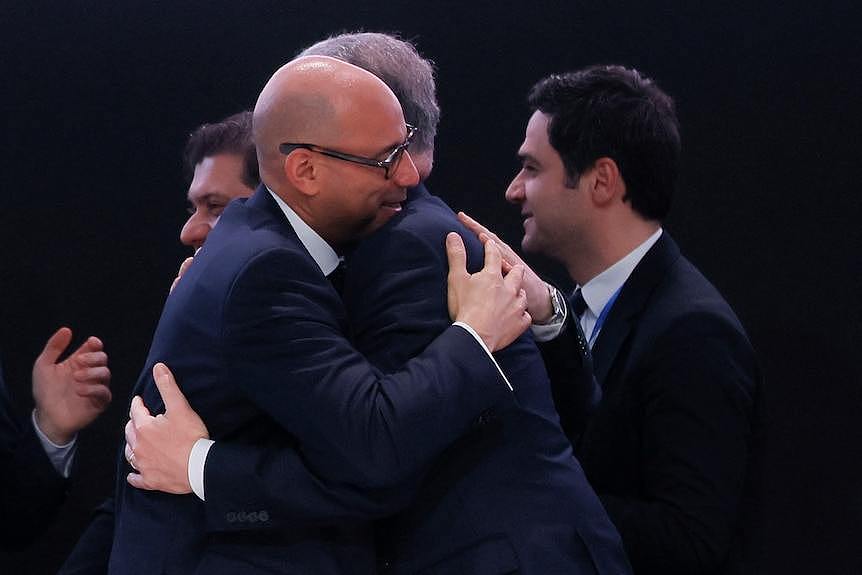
(390, 163)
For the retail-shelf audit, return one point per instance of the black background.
(98, 97)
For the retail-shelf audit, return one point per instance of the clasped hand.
(158, 447)
(492, 305)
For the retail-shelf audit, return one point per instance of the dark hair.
(614, 112)
(229, 136)
(399, 65)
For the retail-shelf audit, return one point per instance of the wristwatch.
(558, 304)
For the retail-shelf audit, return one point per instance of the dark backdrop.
(98, 97)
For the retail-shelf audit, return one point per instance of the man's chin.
(528, 244)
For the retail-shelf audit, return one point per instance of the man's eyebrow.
(527, 157)
(216, 194)
(393, 146)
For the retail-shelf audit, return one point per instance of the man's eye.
(215, 209)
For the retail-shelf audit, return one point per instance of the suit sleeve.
(697, 423)
(31, 490)
(359, 433)
(274, 479)
(394, 320)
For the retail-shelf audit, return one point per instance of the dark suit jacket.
(508, 496)
(31, 490)
(668, 447)
(253, 334)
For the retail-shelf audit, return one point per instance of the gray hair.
(399, 65)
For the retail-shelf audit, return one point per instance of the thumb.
(456, 253)
(167, 386)
(57, 343)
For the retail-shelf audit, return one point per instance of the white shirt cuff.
(61, 456)
(197, 462)
(548, 331)
(475, 335)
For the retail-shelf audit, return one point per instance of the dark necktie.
(578, 304)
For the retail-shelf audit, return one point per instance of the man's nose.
(195, 230)
(515, 191)
(406, 175)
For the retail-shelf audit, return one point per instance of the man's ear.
(608, 183)
(301, 171)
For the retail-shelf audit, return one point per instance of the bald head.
(344, 123)
(315, 99)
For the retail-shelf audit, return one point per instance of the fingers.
(130, 455)
(97, 393)
(138, 412)
(473, 225)
(136, 480)
(456, 254)
(91, 358)
(131, 434)
(92, 344)
(92, 374)
(514, 279)
(183, 268)
(510, 257)
(90, 353)
(493, 258)
(167, 386)
(55, 346)
(522, 302)
(507, 266)
(484, 233)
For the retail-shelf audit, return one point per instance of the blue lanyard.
(603, 316)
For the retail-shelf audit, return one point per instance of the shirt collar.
(322, 253)
(598, 291)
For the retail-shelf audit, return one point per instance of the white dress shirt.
(598, 292)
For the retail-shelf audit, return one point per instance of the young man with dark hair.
(668, 448)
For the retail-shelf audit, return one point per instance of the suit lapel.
(632, 300)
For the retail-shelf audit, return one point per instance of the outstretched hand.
(538, 297)
(158, 448)
(493, 306)
(70, 394)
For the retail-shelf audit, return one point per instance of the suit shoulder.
(424, 224)
(686, 317)
(686, 295)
